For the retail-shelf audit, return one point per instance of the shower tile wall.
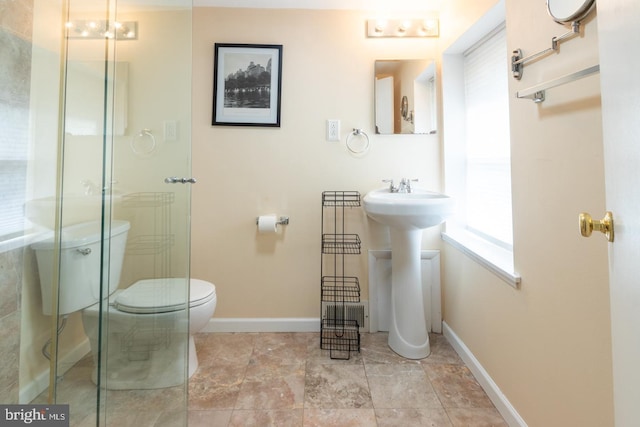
(10, 287)
(16, 24)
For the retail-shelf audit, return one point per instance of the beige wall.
(547, 345)
(243, 172)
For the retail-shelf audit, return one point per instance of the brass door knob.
(605, 226)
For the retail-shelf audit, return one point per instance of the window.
(477, 145)
(14, 136)
(488, 168)
(13, 170)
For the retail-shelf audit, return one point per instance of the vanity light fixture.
(94, 29)
(429, 27)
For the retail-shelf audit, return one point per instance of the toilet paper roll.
(267, 224)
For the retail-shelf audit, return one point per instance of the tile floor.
(284, 379)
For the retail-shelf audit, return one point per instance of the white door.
(384, 105)
(620, 70)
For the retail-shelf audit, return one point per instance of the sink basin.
(416, 210)
(77, 208)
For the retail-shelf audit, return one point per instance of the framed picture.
(247, 79)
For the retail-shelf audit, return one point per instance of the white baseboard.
(500, 401)
(40, 383)
(294, 324)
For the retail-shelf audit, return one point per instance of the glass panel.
(115, 124)
(15, 90)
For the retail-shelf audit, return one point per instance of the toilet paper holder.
(283, 220)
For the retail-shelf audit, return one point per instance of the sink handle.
(408, 182)
(392, 188)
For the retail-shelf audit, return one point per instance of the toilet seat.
(163, 295)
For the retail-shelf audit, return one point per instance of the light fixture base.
(425, 27)
(97, 29)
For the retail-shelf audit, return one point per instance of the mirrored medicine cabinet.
(405, 96)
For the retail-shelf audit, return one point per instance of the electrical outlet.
(333, 130)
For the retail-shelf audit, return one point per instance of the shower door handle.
(176, 180)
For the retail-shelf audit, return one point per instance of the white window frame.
(495, 257)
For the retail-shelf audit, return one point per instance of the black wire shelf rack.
(339, 331)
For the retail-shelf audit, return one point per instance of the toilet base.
(148, 353)
(148, 350)
(193, 357)
(140, 375)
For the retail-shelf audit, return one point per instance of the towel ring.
(144, 143)
(361, 133)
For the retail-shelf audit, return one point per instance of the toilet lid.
(163, 295)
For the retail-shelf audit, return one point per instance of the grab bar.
(536, 93)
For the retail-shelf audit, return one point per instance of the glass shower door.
(126, 114)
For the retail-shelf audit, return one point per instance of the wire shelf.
(341, 198)
(340, 337)
(341, 244)
(147, 199)
(149, 245)
(340, 289)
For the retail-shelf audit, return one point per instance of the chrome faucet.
(403, 187)
(392, 188)
(89, 187)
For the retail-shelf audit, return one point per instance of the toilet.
(146, 323)
(146, 332)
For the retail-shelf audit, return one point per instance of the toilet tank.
(80, 253)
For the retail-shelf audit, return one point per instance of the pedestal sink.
(407, 214)
(77, 208)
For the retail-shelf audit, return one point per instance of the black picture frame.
(247, 84)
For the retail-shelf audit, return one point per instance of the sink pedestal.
(407, 214)
(407, 328)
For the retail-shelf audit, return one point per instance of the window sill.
(496, 259)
